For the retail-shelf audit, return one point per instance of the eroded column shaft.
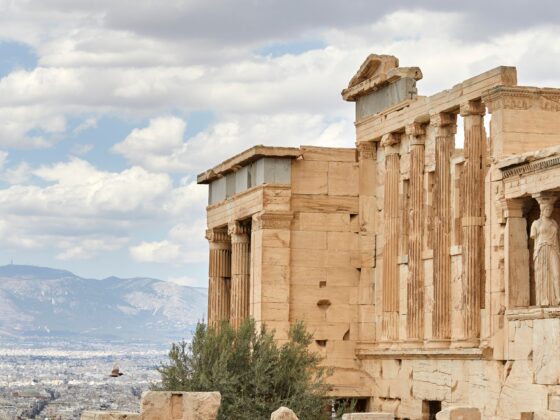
(240, 273)
(473, 218)
(445, 127)
(415, 284)
(390, 328)
(219, 277)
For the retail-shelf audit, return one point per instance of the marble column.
(473, 217)
(445, 127)
(390, 320)
(415, 284)
(219, 277)
(240, 272)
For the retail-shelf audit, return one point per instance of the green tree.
(253, 373)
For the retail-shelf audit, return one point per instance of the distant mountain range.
(39, 301)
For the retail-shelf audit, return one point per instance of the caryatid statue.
(546, 254)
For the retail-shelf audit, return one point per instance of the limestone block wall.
(166, 405)
(325, 268)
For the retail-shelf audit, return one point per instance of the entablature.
(374, 127)
(530, 173)
(245, 158)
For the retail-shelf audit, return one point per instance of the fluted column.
(473, 217)
(219, 276)
(445, 126)
(240, 272)
(390, 326)
(415, 284)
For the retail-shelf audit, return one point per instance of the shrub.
(254, 374)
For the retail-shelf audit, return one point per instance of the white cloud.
(3, 158)
(160, 146)
(155, 146)
(81, 149)
(189, 281)
(83, 210)
(185, 243)
(88, 123)
(17, 175)
(89, 248)
(162, 251)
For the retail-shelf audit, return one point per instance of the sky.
(109, 109)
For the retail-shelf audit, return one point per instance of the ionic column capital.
(444, 123)
(443, 119)
(416, 133)
(218, 239)
(239, 231)
(217, 235)
(366, 150)
(472, 108)
(390, 143)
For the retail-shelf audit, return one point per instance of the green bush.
(254, 375)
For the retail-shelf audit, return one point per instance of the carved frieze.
(531, 167)
(522, 98)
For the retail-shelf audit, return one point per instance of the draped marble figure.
(546, 256)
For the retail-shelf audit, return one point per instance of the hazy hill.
(45, 301)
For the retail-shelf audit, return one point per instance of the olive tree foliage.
(254, 374)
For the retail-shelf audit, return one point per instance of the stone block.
(326, 222)
(459, 413)
(519, 393)
(484, 380)
(430, 382)
(283, 413)
(554, 402)
(546, 350)
(541, 415)
(409, 408)
(343, 241)
(109, 415)
(159, 405)
(309, 240)
(521, 339)
(309, 177)
(369, 416)
(343, 178)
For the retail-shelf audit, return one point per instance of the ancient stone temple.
(426, 261)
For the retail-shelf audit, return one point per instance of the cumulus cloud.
(161, 146)
(155, 146)
(90, 122)
(89, 248)
(17, 175)
(185, 243)
(82, 208)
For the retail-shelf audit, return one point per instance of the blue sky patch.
(294, 47)
(16, 56)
